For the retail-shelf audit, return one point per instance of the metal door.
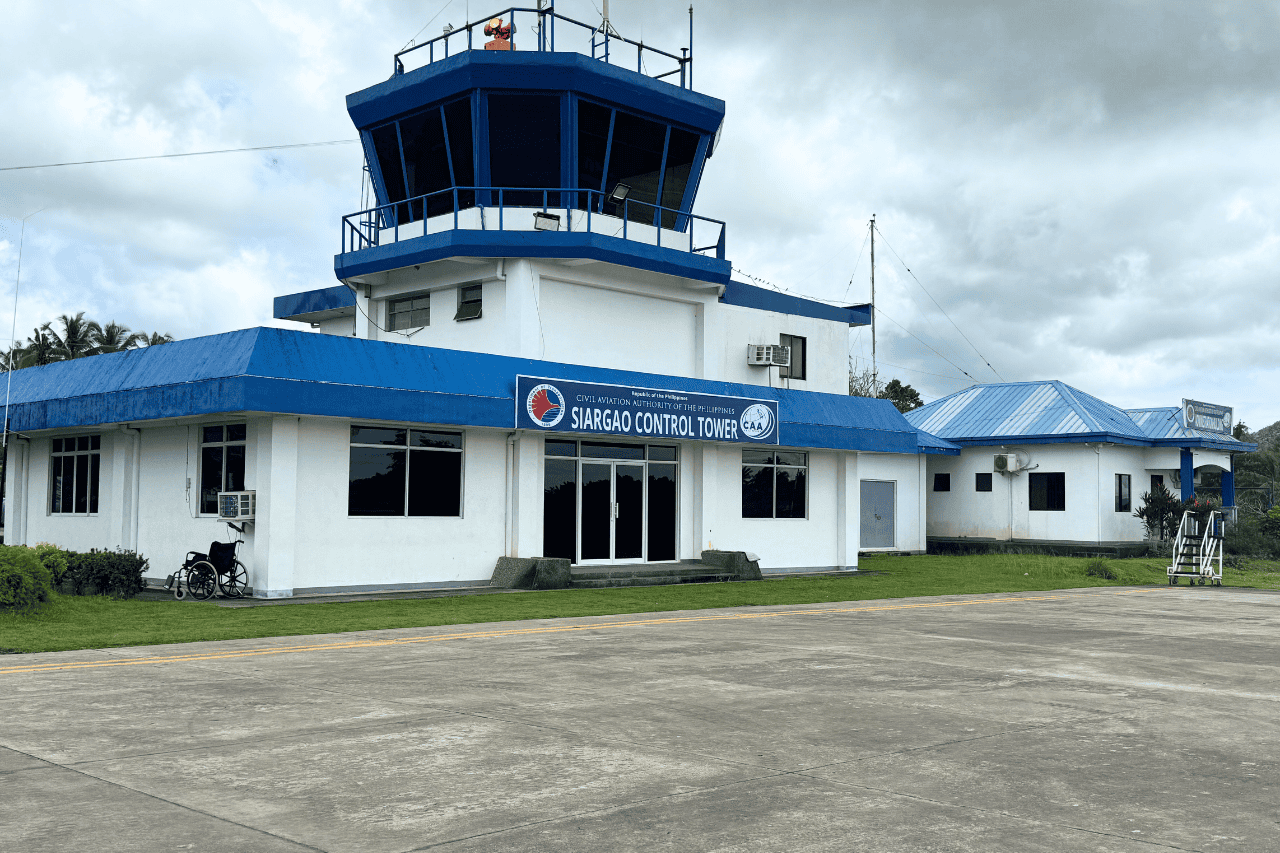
(878, 499)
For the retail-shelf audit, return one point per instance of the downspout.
(1097, 493)
(508, 528)
(135, 499)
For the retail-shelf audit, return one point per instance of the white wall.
(909, 513)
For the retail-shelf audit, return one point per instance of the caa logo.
(757, 421)
(545, 405)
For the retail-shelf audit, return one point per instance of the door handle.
(615, 510)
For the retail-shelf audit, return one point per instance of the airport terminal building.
(534, 349)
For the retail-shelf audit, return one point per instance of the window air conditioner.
(780, 356)
(1006, 462)
(759, 355)
(237, 506)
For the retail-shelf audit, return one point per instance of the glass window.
(457, 118)
(593, 144)
(397, 471)
(524, 145)
(560, 507)
(426, 163)
(660, 453)
(386, 146)
(942, 482)
(470, 302)
(774, 485)
(681, 150)
(411, 313)
(604, 450)
(797, 344)
(1048, 491)
(982, 482)
(635, 159)
(222, 463)
(1124, 498)
(561, 448)
(74, 467)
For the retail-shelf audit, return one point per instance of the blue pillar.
(1188, 476)
(1229, 485)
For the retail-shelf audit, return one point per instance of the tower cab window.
(797, 368)
(470, 301)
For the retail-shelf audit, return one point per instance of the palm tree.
(114, 337)
(40, 348)
(77, 338)
(154, 339)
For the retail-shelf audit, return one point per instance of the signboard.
(1206, 416)
(556, 405)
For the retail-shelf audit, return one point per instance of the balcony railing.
(535, 29)
(526, 209)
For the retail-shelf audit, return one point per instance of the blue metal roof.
(1052, 412)
(311, 302)
(289, 372)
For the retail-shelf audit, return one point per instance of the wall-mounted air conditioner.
(758, 355)
(237, 506)
(1006, 463)
(780, 356)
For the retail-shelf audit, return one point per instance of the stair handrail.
(1211, 545)
(1180, 540)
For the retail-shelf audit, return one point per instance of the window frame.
(476, 299)
(409, 450)
(775, 466)
(1124, 492)
(224, 444)
(942, 482)
(789, 372)
(399, 300)
(1044, 477)
(93, 475)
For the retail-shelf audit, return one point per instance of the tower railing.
(533, 209)
(535, 29)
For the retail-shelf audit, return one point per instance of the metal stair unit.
(1197, 555)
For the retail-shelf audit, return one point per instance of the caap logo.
(757, 421)
(545, 405)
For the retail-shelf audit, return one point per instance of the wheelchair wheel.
(202, 581)
(234, 581)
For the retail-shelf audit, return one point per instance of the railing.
(535, 29)
(533, 209)
(1206, 552)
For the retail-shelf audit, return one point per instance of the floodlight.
(619, 194)
(543, 221)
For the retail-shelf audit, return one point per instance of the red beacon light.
(501, 34)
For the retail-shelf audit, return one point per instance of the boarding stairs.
(1197, 554)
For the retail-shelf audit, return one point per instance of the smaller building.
(1043, 462)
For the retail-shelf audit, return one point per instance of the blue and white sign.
(1206, 416)
(557, 405)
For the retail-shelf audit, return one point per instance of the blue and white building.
(1043, 462)
(534, 348)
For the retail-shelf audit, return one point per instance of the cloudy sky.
(1090, 190)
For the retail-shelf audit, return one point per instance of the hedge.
(24, 580)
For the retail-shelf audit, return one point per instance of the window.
(396, 471)
(774, 484)
(1124, 501)
(942, 482)
(222, 453)
(797, 345)
(411, 313)
(1048, 492)
(470, 300)
(524, 146)
(74, 465)
(1157, 482)
(982, 482)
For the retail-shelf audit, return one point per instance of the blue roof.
(293, 372)
(1052, 412)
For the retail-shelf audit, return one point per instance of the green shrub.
(1269, 525)
(1100, 568)
(54, 559)
(24, 581)
(114, 573)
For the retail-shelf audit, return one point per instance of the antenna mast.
(875, 386)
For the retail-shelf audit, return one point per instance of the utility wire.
(186, 154)
(857, 358)
(849, 286)
(931, 349)
(940, 308)
(414, 40)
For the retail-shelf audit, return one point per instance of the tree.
(904, 397)
(77, 338)
(40, 348)
(860, 383)
(114, 337)
(153, 340)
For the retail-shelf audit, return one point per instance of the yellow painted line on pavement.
(55, 666)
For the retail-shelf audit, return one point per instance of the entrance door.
(611, 525)
(877, 514)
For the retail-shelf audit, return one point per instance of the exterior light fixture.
(619, 194)
(543, 221)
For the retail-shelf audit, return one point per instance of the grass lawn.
(69, 622)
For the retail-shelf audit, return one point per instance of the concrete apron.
(1073, 720)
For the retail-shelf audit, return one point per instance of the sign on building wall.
(1206, 416)
(557, 405)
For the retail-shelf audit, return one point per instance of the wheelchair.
(216, 573)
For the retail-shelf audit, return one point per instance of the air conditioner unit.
(1006, 462)
(237, 506)
(780, 356)
(759, 355)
